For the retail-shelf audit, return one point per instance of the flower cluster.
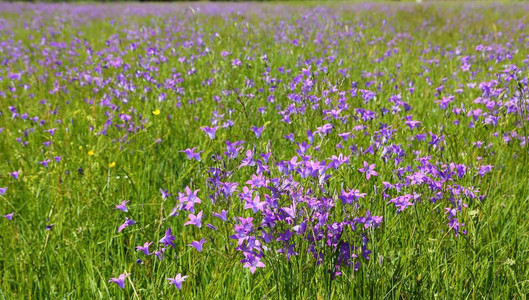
(296, 135)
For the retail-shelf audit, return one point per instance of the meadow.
(264, 151)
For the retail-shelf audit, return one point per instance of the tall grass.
(67, 55)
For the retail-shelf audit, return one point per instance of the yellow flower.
(156, 112)
(112, 164)
(91, 152)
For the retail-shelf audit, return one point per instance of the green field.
(360, 150)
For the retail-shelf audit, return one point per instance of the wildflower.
(256, 205)
(210, 131)
(165, 193)
(257, 131)
(15, 174)
(112, 164)
(144, 248)
(369, 170)
(120, 281)
(351, 196)
(175, 211)
(191, 154)
(9, 216)
(123, 206)
(222, 215)
(198, 245)
(90, 152)
(3, 190)
(159, 253)
(51, 131)
(128, 222)
(371, 221)
(45, 163)
(195, 220)
(168, 239)
(177, 281)
(253, 262)
(156, 112)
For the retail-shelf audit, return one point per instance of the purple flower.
(3, 190)
(45, 163)
(369, 170)
(177, 281)
(451, 212)
(210, 131)
(191, 154)
(165, 193)
(198, 245)
(51, 131)
(144, 248)
(228, 188)
(402, 202)
(168, 238)
(484, 170)
(256, 205)
(253, 262)
(411, 123)
(289, 137)
(222, 215)
(123, 206)
(257, 131)
(195, 220)
(455, 225)
(189, 198)
(175, 211)
(120, 281)
(371, 221)
(128, 222)
(15, 174)
(159, 253)
(9, 216)
(351, 196)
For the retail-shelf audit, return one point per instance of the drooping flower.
(123, 206)
(191, 154)
(128, 222)
(222, 215)
(159, 253)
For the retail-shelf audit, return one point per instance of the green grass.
(414, 256)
